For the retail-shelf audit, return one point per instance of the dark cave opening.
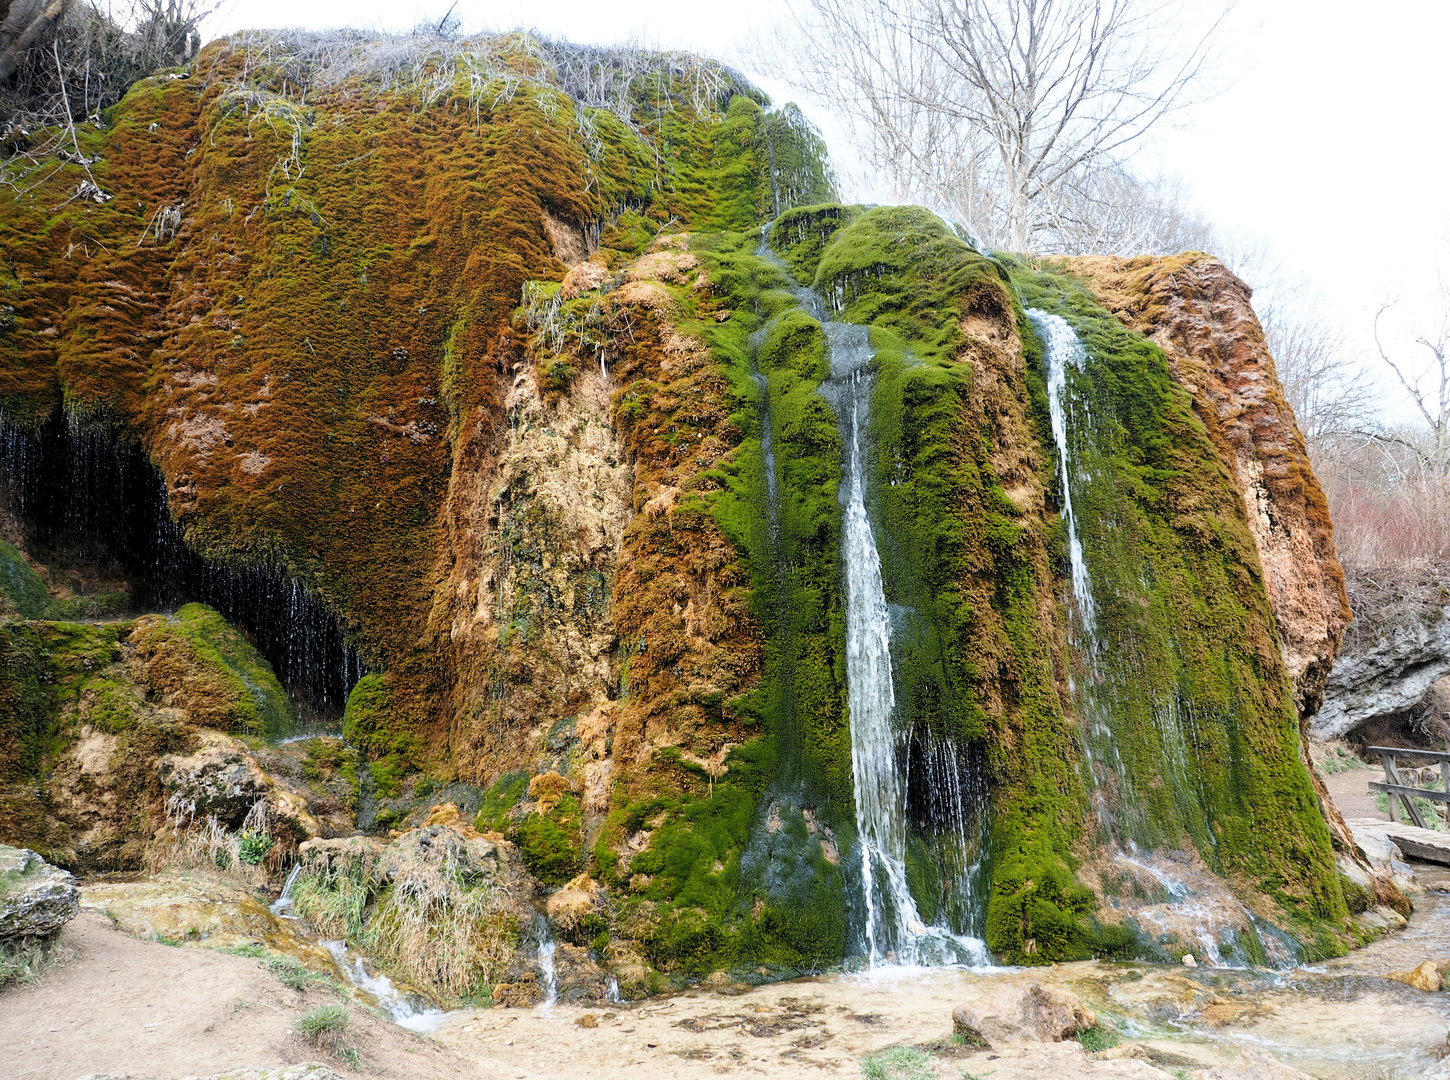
(85, 496)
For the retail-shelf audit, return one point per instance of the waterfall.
(894, 928)
(546, 964)
(1110, 659)
(283, 903)
(1064, 351)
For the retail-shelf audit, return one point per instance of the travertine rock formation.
(1200, 314)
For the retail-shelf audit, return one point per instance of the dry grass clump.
(324, 1027)
(493, 67)
(23, 962)
(425, 910)
(192, 843)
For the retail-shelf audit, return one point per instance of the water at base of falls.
(546, 965)
(894, 928)
(403, 1011)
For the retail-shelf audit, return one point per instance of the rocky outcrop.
(1199, 313)
(1393, 657)
(220, 780)
(36, 899)
(1011, 1014)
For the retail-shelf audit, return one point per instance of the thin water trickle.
(546, 964)
(1065, 351)
(894, 928)
(283, 903)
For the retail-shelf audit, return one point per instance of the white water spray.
(895, 930)
(546, 965)
(380, 988)
(1065, 351)
(280, 906)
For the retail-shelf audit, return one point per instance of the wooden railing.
(1396, 789)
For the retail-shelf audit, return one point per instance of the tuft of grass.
(25, 962)
(290, 973)
(1094, 1039)
(898, 1063)
(251, 949)
(324, 1027)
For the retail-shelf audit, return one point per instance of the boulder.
(221, 779)
(1253, 1064)
(1424, 977)
(1377, 846)
(36, 899)
(1012, 1014)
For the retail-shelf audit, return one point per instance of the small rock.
(36, 899)
(588, 1020)
(221, 779)
(1189, 961)
(1425, 977)
(1013, 1014)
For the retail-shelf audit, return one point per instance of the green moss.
(1188, 693)
(551, 843)
(45, 670)
(21, 586)
(496, 806)
(224, 673)
(381, 733)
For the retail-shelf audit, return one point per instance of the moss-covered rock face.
(520, 366)
(1194, 732)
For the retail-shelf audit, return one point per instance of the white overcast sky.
(1331, 141)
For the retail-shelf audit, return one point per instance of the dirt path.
(145, 1009)
(1351, 794)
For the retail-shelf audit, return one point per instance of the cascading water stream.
(546, 963)
(1110, 781)
(283, 903)
(1064, 351)
(894, 928)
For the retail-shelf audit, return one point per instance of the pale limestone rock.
(1013, 1014)
(1252, 1064)
(36, 899)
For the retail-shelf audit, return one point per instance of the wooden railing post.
(1388, 761)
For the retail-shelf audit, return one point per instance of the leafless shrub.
(88, 57)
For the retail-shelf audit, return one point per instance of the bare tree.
(1432, 404)
(1324, 385)
(997, 105)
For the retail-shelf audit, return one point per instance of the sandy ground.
(151, 1010)
(805, 1028)
(1351, 794)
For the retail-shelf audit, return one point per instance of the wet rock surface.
(36, 899)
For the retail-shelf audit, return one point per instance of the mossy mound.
(1188, 678)
(198, 662)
